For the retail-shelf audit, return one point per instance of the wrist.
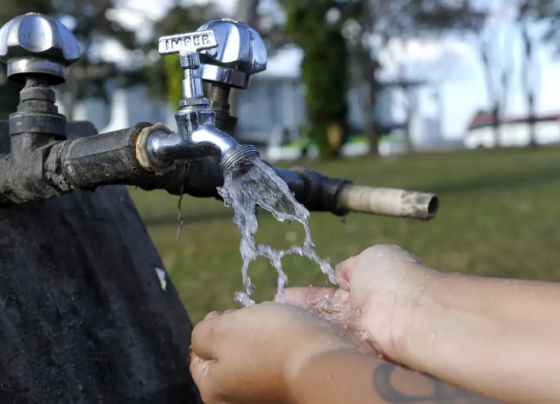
(334, 377)
(419, 309)
(305, 355)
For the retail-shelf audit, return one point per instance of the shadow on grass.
(522, 179)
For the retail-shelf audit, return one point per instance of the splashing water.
(261, 186)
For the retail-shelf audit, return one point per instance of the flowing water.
(260, 186)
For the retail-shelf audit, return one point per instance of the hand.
(254, 354)
(384, 283)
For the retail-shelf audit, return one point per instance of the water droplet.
(243, 299)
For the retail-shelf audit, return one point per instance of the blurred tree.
(534, 16)
(317, 28)
(93, 25)
(526, 16)
(531, 16)
(496, 53)
(548, 13)
(378, 23)
(366, 27)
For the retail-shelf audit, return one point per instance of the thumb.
(200, 371)
(391, 252)
(343, 272)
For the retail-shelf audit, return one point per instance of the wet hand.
(254, 354)
(384, 283)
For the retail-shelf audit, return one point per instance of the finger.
(200, 372)
(343, 272)
(213, 314)
(384, 252)
(302, 296)
(204, 339)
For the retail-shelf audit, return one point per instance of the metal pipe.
(339, 196)
(388, 202)
(197, 137)
(165, 148)
(91, 161)
(295, 181)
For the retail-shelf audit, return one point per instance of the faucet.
(240, 54)
(43, 157)
(197, 135)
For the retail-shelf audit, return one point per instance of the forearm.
(496, 337)
(344, 377)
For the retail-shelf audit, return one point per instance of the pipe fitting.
(142, 152)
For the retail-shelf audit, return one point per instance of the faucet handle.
(37, 44)
(240, 54)
(187, 47)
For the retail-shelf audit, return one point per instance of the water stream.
(261, 186)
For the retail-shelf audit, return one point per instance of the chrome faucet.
(240, 54)
(43, 157)
(197, 136)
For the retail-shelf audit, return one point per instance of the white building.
(514, 132)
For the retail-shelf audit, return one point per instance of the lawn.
(499, 216)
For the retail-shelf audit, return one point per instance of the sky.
(452, 65)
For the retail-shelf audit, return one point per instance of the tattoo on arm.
(442, 393)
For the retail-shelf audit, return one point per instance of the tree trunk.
(532, 120)
(369, 127)
(364, 68)
(408, 120)
(490, 91)
(83, 315)
(527, 82)
(496, 125)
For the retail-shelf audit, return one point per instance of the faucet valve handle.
(187, 47)
(241, 53)
(37, 44)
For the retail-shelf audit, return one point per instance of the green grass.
(499, 216)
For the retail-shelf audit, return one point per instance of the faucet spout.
(198, 137)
